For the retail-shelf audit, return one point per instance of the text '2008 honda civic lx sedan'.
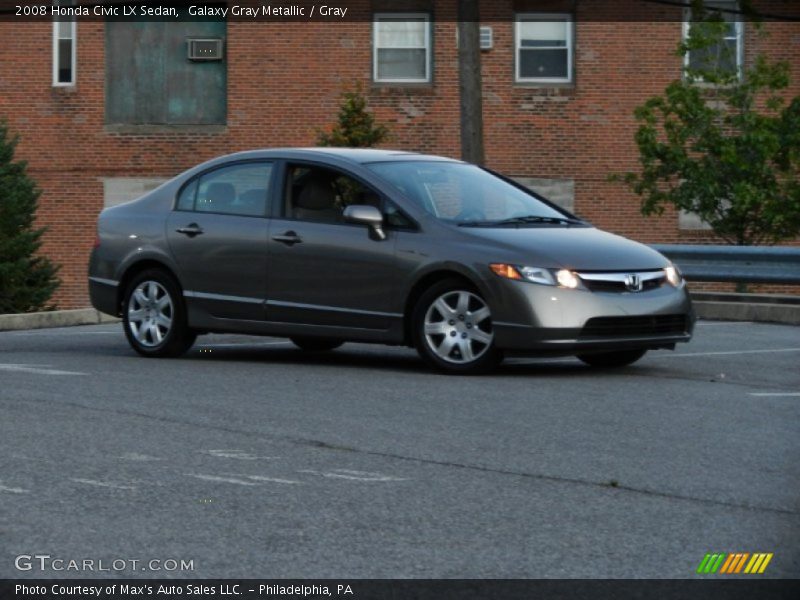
(326, 246)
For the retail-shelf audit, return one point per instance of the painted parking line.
(237, 455)
(239, 479)
(272, 479)
(218, 479)
(353, 475)
(12, 490)
(37, 370)
(776, 394)
(103, 484)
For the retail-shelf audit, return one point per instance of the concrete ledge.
(738, 310)
(54, 318)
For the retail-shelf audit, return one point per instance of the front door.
(218, 236)
(322, 270)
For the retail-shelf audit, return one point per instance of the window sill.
(152, 128)
(65, 88)
(381, 87)
(545, 86)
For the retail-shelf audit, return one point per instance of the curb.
(54, 318)
(747, 307)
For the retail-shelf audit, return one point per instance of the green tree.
(723, 142)
(355, 126)
(27, 280)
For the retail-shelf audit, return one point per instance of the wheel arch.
(426, 280)
(137, 267)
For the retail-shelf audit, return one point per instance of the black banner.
(339, 11)
(403, 589)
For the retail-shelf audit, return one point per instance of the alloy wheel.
(458, 327)
(150, 313)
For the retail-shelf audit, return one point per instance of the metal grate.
(619, 286)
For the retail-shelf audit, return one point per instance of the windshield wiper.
(523, 221)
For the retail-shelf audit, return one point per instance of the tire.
(451, 328)
(310, 344)
(154, 316)
(612, 360)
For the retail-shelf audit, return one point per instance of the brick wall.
(284, 81)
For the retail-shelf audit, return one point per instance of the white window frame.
(739, 29)
(377, 17)
(570, 20)
(57, 54)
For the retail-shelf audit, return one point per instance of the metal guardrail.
(735, 264)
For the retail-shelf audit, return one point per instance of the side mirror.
(366, 215)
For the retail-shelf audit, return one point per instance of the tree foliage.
(723, 142)
(27, 280)
(355, 126)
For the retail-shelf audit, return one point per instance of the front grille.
(655, 325)
(618, 287)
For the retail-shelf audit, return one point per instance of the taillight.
(96, 242)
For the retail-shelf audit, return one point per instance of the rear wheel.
(452, 329)
(310, 344)
(154, 316)
(610, 360)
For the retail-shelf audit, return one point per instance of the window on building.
(544, 48)
(402, 48)
(149, 80)
(240, 189)
(64, 54)
(727, 55)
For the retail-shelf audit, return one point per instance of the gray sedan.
(326, 246)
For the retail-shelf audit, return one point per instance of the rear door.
(218, 236)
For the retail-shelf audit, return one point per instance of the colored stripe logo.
(734, 563)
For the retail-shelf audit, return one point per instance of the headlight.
(673, 275)
(564, 278)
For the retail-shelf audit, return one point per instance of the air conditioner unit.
(204, 48)
(486, 38)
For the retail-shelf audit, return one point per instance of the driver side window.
(320, 195)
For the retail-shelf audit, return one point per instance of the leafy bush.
(27, 280)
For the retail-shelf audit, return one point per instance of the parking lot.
(251, 458)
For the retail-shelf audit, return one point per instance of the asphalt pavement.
(250, 458)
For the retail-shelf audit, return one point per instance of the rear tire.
(310, 344)
(612, 360)
(451, 328)
(154, 316)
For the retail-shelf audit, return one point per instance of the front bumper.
(553, 320)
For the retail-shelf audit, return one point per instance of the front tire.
(154, 316)
(612, 360)
(452, 329)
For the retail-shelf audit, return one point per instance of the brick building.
(108, 109)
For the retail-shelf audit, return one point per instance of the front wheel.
(452, 329)
(610, 360)
(154, 316)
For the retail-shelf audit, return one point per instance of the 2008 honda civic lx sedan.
(326, 246)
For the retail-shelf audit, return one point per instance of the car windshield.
(468, 195)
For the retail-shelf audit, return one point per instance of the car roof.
(355, 155)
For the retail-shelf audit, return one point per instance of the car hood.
(579, 248)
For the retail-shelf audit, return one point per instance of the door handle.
(191, 230)
(290, 238)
